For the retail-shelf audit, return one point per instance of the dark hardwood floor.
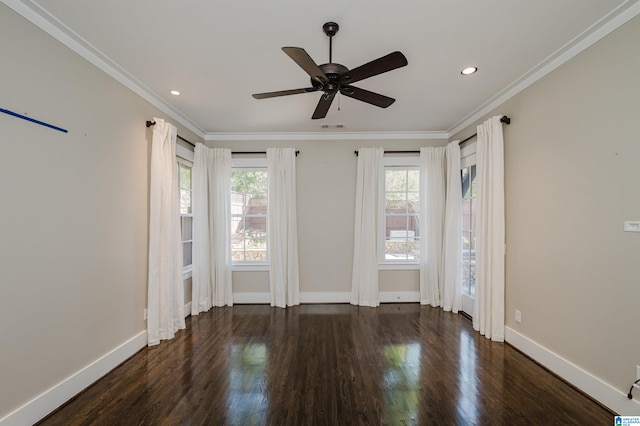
(399, 364)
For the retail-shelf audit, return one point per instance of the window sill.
(398, 266)
(247, 267)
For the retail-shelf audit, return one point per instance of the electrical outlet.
(637, 372)
(146, 314)
(518, 316)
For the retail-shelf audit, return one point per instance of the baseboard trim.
(251, 298)
(48, 401)
(329, 297)
(325, 297)
(597, 389)
(399, 296)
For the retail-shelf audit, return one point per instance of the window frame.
(249, 164)
(467, 159)
(185, 157)
(403, 163)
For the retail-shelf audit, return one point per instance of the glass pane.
(413, 180)
(255, 225)
(185, 201)
(237, 247)
(412, 226)
(416, 249)
(187, 228)
(396, 227)
(395, 202)
(413, 202)
(253, 182)
(469, 191)
(184, 176)
(236, 225)
(395, 249)
(466, 214)
(464, 178)
(413, 250)
(238, 182)
(186, 254)
(395, 180)
(255, 206)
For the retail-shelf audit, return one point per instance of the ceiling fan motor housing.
(333, 73)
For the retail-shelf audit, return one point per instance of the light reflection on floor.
(401, 382)
(467, 379)
(246, 402)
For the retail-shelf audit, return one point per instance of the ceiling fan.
(332, 78)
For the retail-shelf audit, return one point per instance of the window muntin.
(249, 215)
(401, 214)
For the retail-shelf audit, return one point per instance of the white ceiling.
(217, 53)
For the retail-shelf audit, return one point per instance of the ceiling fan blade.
(367, 96)
(377, 66)
(323, 106)
(283, 93)
(302, 58)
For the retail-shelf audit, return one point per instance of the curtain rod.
(504, 119)
(255, 152)
(151, 123)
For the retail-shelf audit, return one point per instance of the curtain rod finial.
(150, 123)
(505, 119)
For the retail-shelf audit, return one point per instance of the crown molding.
(271, 136)
(56, 29)
(606, 25)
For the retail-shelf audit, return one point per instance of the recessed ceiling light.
(468, 70)
(175, 93)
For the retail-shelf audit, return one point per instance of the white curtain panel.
(452, 241)
(165, 293)
(488, 317)
(284, 281)
(364, 280)
(211, 204)
(432, 216)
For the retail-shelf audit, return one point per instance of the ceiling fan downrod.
(330, 29)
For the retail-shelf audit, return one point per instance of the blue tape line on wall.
(42, 123)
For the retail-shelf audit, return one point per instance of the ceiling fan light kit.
(332, 78)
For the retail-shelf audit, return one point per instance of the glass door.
(468, 238)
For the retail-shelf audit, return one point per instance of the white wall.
(73, 213)
(572, 170)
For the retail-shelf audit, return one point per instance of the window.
(186, 216)
(468, 230)
(401, 210)
(249, 215)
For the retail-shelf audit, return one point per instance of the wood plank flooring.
(399, 364)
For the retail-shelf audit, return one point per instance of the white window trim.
(468, 156)
(249, 164)
(181, 153)
(184, 153)
(385, 264)
(249, 267)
